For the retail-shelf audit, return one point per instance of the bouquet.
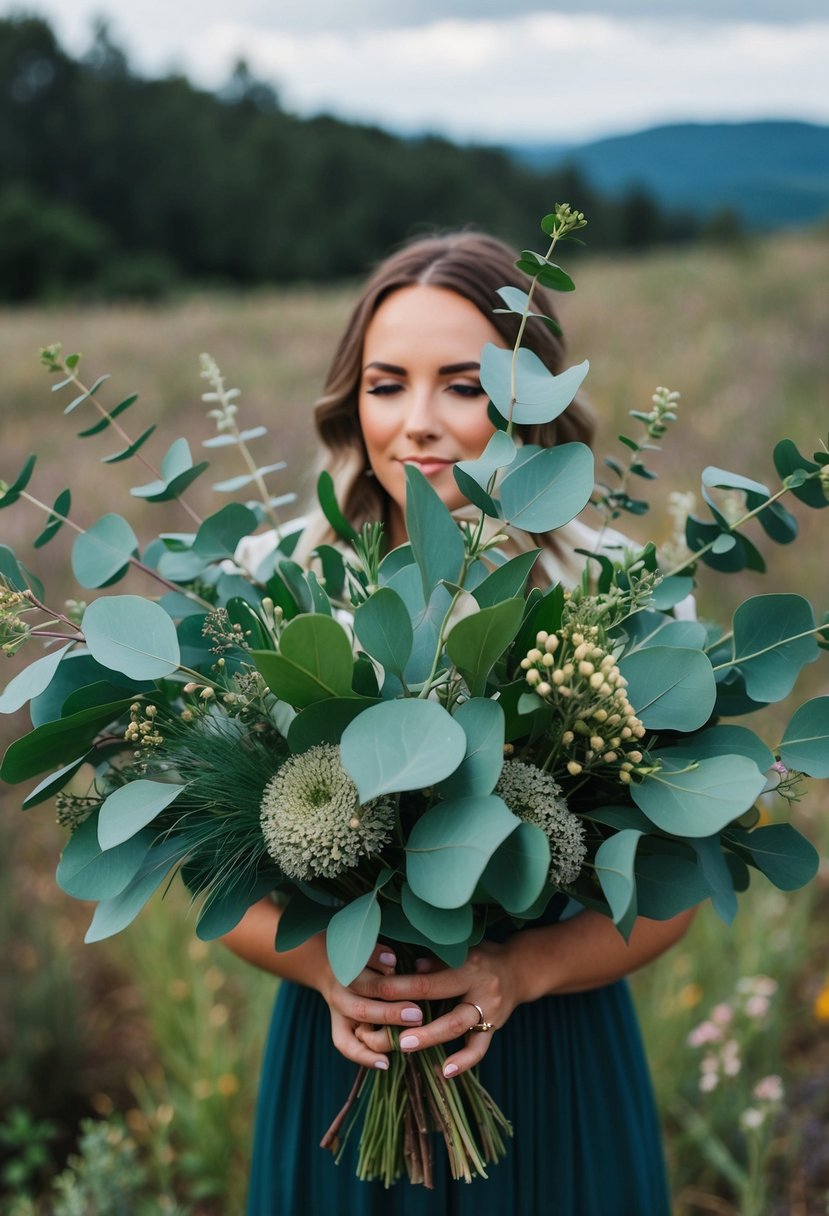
(411, 745)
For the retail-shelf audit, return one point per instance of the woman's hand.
(487, 979)
(360, 1006)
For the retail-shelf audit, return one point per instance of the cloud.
(546, 76)
(555, 76)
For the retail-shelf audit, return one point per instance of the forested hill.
(117, 184)
(772, 174)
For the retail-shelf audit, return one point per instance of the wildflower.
(307, 813)
(757, 1006)
(708, 1081)
(769, 1089)
(752, 1118)
(535, 797)
(722, 1014)
(706, 1032)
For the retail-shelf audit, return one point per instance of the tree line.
(113, 184)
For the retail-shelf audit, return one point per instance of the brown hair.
(474, 266)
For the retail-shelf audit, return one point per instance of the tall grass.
(169, 1032)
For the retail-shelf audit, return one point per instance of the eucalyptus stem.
(522, 326)
(132, 560)
(116, 426)
(767, 502)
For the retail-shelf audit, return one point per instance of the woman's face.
(420, 395)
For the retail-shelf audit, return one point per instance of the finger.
(344, 1038)
(442, 984)
(477, 1045)
(376, 1038)
(358, 1008)
(383, 959)
(445, 1029)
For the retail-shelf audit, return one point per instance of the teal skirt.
(568, 1071)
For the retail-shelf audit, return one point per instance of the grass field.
(166, 1032)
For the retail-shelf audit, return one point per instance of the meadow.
(157, 1036)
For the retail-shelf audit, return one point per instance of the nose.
(422, 422)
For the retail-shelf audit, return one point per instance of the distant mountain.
(774, 174)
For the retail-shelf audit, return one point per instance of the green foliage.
(402, 745)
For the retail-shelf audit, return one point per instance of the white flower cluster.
(572, 670)
(536, 797)
(312, 820)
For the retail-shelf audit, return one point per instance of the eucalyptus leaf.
(718, 876)
(435, 538)
(219, 535)
(351, 936)
(615, 858)
(805, 743)
(103, 551)
(130, 634)
(31, 681)
(130, 450)
(788, 462)
(773, 640)
(384, 629)
(517, 301)
(498, 453)
(668, 881)
(103, 423)
(325, 721)
(132, 807)
(669, 687)
(114, 914)
(300, 919)
(516, 873)
(540, 396)
(397, 927)
(314, 661)
(177, 472)
(549, 488)
(780, 852)
(49, 786)
(86, 871)
(477, 642)
(727, 741)
(700, 800)
(444, 926)
(401, 745)
(228, 901)
(483, 724)
(450, 846)
(12, 493)
(507, 581)
(52, 742)
(56, 519)
(330, 507)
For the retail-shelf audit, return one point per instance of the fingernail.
(384, 1064)
(408, 1041)
(388, 959)
(412, 1015)
(450, 1070)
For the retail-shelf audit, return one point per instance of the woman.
(564, 1058)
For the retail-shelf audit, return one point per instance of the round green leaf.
(325, 721)
(698, 801)
(540, 396)
(615, 858)
(516, 874)
(86, 871)
(103, 552)
(773, 640)
(478, 641)
(548, 488)
(352, 935)
(301, 918)
(401, 745)
(450, 845)
(31, 681)
(805, 743)
(227, 902)
(727, 741)
(314, 661)
(435, 538)
(219, 535)
(384, 629)
(483, 724)
(780, 852)
(669, 687)
(129, 634)
(445, 926)
(114, 914)
(132, 807)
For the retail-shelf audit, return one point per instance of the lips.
(428, 465)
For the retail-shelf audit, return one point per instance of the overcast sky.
(481, 70)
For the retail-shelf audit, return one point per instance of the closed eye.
(466, 390)
(384, 390)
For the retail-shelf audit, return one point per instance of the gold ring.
(482, 1023)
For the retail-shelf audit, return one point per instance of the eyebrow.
(450, 369)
